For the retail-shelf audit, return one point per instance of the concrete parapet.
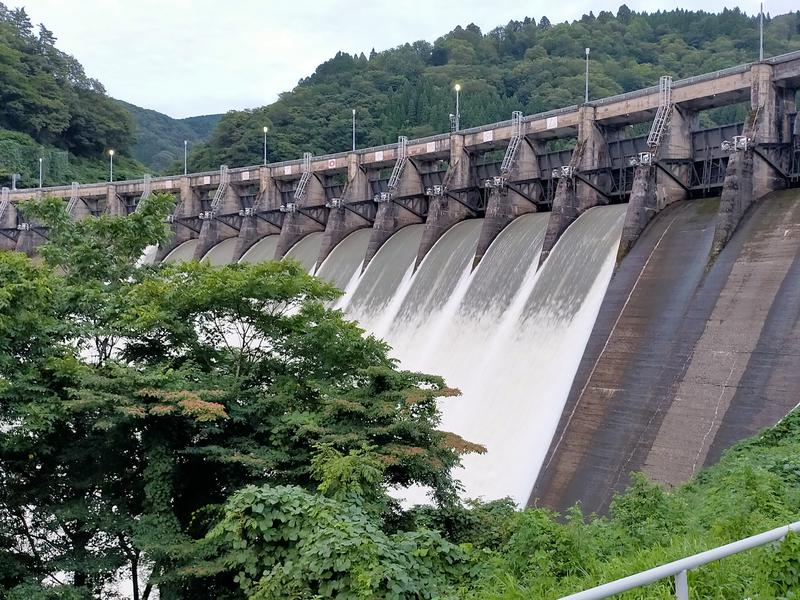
(507, 203)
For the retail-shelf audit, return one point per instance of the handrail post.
(681, 586)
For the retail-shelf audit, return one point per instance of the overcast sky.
(192, 57)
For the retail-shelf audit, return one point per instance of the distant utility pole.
(761, 34)
(185, 145)
(586, 95)
(354, 130)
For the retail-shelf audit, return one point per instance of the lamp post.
(266, 129)
(354, 130)
(40, 171)
(185, 165)
(761, 34)
(457, 88)
(586, 95)
(111, 166)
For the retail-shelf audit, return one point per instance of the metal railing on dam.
(713, 88)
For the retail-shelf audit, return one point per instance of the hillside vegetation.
(525, 65)
(159, 138)
(49, 108)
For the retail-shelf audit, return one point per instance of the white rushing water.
(508, 336)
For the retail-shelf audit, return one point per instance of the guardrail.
(679, 568)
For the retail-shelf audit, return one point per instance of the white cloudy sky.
(191, 57)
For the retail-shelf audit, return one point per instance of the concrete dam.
(631, 303)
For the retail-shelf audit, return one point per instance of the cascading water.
(508, 336)
(306, 251)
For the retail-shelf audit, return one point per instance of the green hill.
(523, 65)
(159, 138)
(50, 109)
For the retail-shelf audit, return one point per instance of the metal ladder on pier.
(400, 163)
(219, 194)
(146, 191)
(663, 114)
(74, 197)
(302, 185)
(5, 201)
(510, 157)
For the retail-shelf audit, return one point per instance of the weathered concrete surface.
(445, 212)
(686, 357)
(628, 365)
(642, 206)
(590, 159)
(255, 228)
(190, 205)
(297, 225)
(214, 231)
(565, 210)
(744, 371)
(343, 222)
(737, 192)
(506, 204)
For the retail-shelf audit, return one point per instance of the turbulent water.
(508, 336)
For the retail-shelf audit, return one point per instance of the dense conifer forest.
(526, 65)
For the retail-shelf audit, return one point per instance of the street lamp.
(457, 88)
(586, 96)
(354, 130)
(40, 171)
(111, 166)
(266, 129)
(185, 147)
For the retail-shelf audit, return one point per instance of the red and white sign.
(332, 163)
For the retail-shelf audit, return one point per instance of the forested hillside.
(50, 109)
(525, 65)
(159, 138)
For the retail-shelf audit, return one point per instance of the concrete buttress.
(310, 215)
(590, 163)
(391, 216)
(189, 205)
(341, 221)
(213, 231)
(255, 227)
(508, 202)
(443, 211)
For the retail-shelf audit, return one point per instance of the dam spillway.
(507, 336)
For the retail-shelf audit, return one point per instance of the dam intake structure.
(630, 303)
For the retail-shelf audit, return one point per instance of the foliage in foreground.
(135, 400)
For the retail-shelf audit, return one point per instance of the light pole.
(457, 88)
(111, 166)
(185, 148)
(266, 129)
(354, 130)
(586, 95)
(761, 34)
(40, 171)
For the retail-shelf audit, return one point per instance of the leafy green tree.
(135, 400)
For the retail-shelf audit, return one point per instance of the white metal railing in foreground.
(679, 568)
